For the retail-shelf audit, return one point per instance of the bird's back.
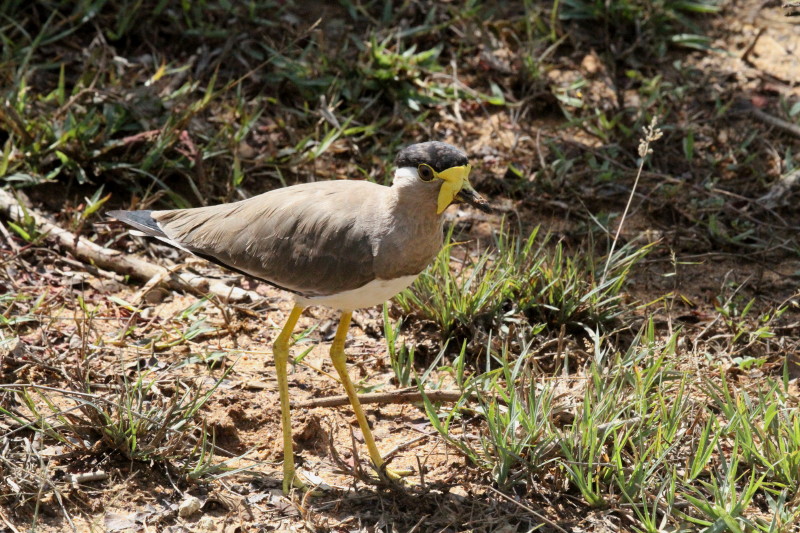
(312, 239)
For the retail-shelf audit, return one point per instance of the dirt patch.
(550, 155)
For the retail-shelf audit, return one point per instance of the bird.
(343, 244)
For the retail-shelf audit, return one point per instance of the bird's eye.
(426, 173)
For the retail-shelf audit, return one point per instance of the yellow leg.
(340, 364)
(280, 350)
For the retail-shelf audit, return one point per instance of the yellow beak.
(454, 180)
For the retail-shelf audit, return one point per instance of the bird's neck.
(411, 231)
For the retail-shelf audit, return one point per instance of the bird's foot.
(297, 481)
(395, 475)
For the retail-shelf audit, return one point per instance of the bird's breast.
(408, 249)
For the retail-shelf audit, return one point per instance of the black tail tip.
(141, 220)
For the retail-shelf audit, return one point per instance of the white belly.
(373, 293)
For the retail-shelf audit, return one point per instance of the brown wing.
(293, 237)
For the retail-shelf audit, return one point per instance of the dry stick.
(118, 262)
(98, 475)
(403, 445)
(528, 509)
(419, 523)
(7, 522)
(749, 49)
(96, 272)
(788, 127)
(9, 239)
(399, 396)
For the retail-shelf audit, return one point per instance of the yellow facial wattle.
(454, 180)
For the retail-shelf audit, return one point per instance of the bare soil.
(445, 493)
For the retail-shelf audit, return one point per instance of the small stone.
(238, 488)
(206, 523)
(155, 296)
(189, 506)
(458, 493)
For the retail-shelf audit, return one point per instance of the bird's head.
(444, 166)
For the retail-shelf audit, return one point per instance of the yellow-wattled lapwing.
(342, 244)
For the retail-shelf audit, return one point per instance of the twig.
(521, 505)
(86, 477)
(121, 263)
(753, 43)
(788, 127)
(403, 445)
(8, 524)
(419, 523)
(144, 136)
(398, 396)
(153, 282)
(91, 269)
(9, 239)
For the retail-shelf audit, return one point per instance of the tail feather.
(145, 225)
(141, 220)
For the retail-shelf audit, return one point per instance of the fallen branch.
(766, 118)
(113, 260)
(398, 396)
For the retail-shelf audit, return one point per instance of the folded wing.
(292, 237)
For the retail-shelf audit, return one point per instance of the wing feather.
(291, 237)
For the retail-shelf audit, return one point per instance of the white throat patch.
(405, 175)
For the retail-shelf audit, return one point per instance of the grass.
(110, 402)
(143, 411)
(640, 438)
(623, 338)
(522, 286)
